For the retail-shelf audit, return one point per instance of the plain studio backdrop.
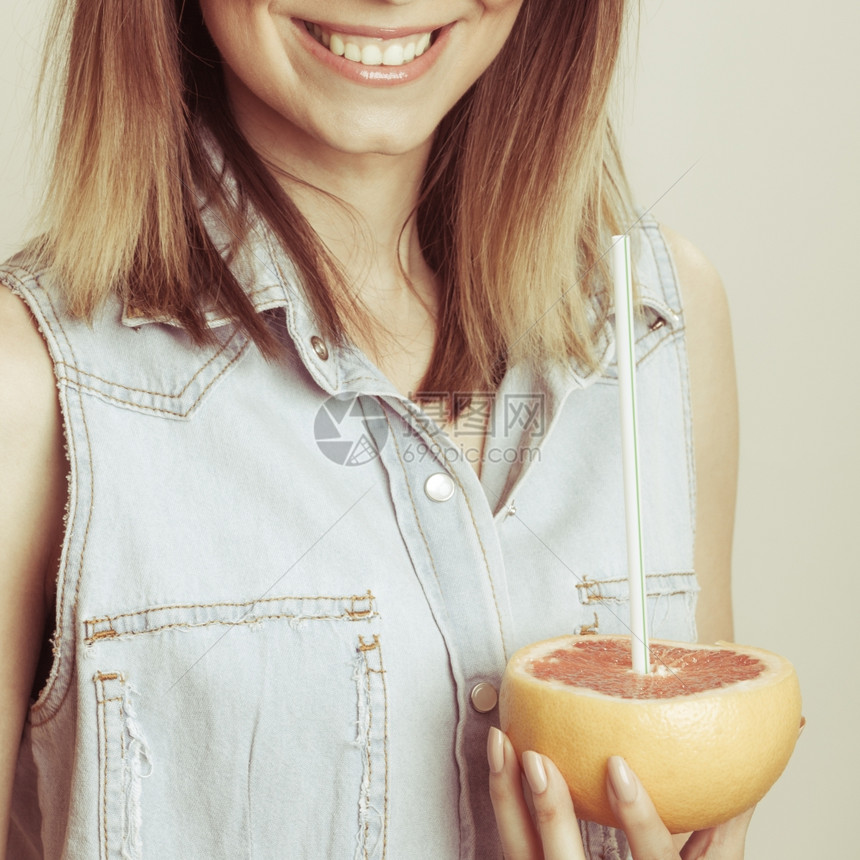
(741, 128)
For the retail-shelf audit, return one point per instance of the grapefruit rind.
(703, 758)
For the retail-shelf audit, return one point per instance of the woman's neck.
(360, 204)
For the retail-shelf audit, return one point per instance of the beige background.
(760, 99)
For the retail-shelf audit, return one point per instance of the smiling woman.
(321, 288)
(432, 166)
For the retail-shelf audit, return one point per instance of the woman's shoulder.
(31, 299)
(26, 372)
(707, 322)
(701, 287)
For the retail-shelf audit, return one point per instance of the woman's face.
(355, 76)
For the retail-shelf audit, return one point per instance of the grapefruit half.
(708, 731)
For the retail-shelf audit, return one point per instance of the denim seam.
(364, 648)
(585, 581)
(16, 284)
(592, 592)
(674, 334)
(604, 599)
(352, 598)
(486, 562)
(138, 318)
(381, 672)
(104, 778)
(256, 619)
(123, 841)
(155, 409)
(73, 608)
(412, 499)
(187, 385)
(310, 364)
(102, 700)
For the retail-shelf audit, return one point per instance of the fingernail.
(535, 773)
(622, 779)
(496, 750)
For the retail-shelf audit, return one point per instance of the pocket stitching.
(590, 588)
(350, 613)
(134, 390)
(102, 699)
(252, 619)
(366, 648)
(154, 409)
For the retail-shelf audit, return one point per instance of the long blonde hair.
(522, 189)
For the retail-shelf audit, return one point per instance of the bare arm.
(715, 432)
(33, 469)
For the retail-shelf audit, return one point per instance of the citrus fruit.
(707, 731)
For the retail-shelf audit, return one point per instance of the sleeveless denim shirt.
(285, 600)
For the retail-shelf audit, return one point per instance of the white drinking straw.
(625, 355)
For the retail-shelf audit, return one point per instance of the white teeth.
(371, 55)
(393, 56)
(372, 52)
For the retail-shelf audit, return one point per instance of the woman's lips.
(374, 56)
(371, 50)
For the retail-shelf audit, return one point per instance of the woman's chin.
(378, 139)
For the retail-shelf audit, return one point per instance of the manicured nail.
(535, 773)
(622, 779)
(496, 750)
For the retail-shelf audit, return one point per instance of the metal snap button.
(484, 697)
(439, 487)
(319, 347)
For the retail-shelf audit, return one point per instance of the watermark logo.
(350, 430)
(526, 413)
(516, 415)
(488, 427)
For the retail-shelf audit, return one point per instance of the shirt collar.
(270, 281)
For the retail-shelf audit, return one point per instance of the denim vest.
(285, 600)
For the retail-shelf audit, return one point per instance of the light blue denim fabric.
(264, 652)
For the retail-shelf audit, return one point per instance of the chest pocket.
(162, 373)
(242, 729)
(670, 600)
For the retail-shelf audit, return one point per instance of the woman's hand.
(553, 832)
